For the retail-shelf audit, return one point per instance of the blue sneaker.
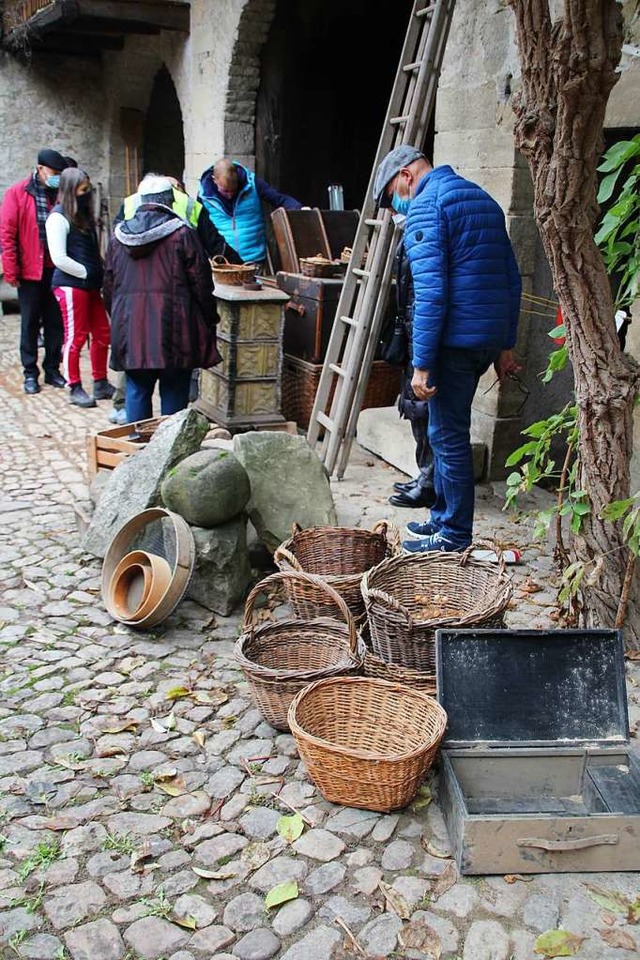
(426, 529)
(429, 544)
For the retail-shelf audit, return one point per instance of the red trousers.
(83, 315)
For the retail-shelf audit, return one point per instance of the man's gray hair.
(154, 183)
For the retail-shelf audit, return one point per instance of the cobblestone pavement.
(138, 816)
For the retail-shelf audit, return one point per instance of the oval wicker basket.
(418, 679)
(231, 274)
(319, 267)
(168, 536)
(279, 658)
(340, 555)
(366, 743)
(398, 592)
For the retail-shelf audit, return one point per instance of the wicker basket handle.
(284, 556)
(296, 528)
(220, 260)
(391, 604)
(391, 534)
(486, 544)
(266, 586)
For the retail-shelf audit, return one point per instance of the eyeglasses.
(521, 385)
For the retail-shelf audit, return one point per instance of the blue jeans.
(174, 392)
(456, 376)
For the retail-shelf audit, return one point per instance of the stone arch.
(164, 147)
(244, 79)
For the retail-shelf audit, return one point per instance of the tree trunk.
(568, 72)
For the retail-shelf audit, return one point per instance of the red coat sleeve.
(9, 237)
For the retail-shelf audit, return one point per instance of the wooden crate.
(107, 448)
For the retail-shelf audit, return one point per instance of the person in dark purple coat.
(158, 288)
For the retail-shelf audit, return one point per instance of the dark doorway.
(163, 132)
(326, 76)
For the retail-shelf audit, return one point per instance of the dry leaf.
(421, 937)
(199, 738)
(423, 798)
(139, 856)
(395, 901)
(168, 774)
(608, 899)
(608, 918)
(530, 586)
(112, 750)
(432, 848)
(513, 877)
(616, 937)
(632, 654)
(127, 726)
(157, 726)
(209, 698)
(256, 854)
(173, 788)
(213, 874)
(170, 721)
(177, 693)
(445, 881)
(187, 922)
(558, 943)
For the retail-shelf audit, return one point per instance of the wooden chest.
(537, 771)
(106, 449)
(309, 314)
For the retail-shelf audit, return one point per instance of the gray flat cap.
(392, 164)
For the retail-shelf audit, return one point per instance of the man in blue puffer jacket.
(467, 300)
(233, 197)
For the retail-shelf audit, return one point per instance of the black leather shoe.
(31, 385)
(80, 398)
(418, 497)
(55, 379)
(405, 487)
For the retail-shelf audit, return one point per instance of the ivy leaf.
(281, 894)
(290, 828)
(558, 943)
(633, 916)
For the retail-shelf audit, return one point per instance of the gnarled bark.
(568, 72)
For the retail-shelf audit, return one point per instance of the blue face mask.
(53, 182)
(400, 204)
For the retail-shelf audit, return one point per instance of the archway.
(163, 132)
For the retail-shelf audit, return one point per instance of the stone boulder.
(288, 484)
(136, 483)
(222, 570)
(207, 489)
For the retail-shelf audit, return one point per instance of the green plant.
(119, 843)
(619, 233)
(45, 853)
(159, 906)
(16, 940)
(146, 778)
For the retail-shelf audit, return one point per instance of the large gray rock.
(208, 488)
(222, 570)
(135, 484)
(288, 484)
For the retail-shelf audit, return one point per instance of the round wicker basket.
(408, 597)
(340, 555)
(279, 658)
(231, 274)
(366, 743)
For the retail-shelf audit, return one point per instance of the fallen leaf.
(228, 721)
(128, 726)
(187, 922)
(432, 848)
(265, 778)
(139, 856)
(513, 877)
(633, 916)
(112, 750)
(290, 828)
(395, 900)
(157, 726)
(530, 586)
(177, 693)
(608, 899)
(209, 698)
(167, 774)
(632, 654)
(173, 788)
(558, 943)
(445, 881)
(616, 937)
(212, 874)
(423, 798)
(281, 893)
(199, 738)
(170, 721)
(421, 937)
(608, 918)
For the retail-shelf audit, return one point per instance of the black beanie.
(52, 159)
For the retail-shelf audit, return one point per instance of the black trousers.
(417, 413)
(38, 307)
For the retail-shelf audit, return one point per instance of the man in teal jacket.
(466, 303)
(233, 197)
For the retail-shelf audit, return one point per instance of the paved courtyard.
(140, 791)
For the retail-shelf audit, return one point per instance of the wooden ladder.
(363, 300)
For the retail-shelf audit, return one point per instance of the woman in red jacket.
(76, 283)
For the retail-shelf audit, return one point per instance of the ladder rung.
(337, 370)
(426, 10)
(360, 273)
(396, 121)
(350, 322)
(374, 223)
(409, 67)
(325, 421)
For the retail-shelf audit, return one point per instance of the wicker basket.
(399, 591)
(419, 679)
(366, 743)
(231, 274)
(300, 381)
(279, 658)
(319, 267)
(340, 555)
